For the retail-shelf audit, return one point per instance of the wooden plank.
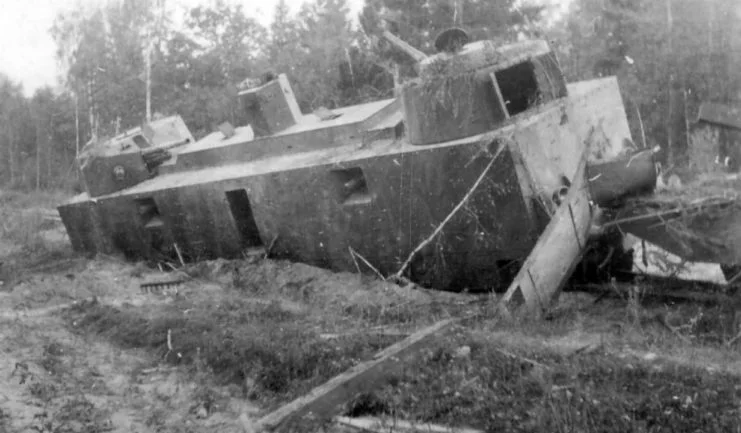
(557, 252)
(371, 424)
(323, 401)
(111, 301)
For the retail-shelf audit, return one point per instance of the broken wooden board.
(323, 401)
(556, 253)
(371, 424)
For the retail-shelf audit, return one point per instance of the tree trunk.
(711, 18)
(11, 154)
(671, 116)
(91, 110)
(38, 156)
(640, 123)
(397, 80)
(149, 79)
(676, 125)
(49, 154)
(457, 13)
(77, 126)
(709, 65)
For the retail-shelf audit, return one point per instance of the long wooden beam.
(370, 424)
(322, 402)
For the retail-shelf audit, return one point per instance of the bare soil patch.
(56, 381)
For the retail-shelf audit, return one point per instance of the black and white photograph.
(370, 216)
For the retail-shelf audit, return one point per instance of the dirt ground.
(230, 341)
(57, 380)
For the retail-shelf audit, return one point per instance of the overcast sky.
(27, 48)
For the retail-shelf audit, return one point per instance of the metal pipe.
(414, 53)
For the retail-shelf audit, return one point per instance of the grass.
(275, 354)
(272, 354)
(275, 350)
(77, 414)
(593, 392)
(22, 226)
(37, 199)
(336, 302)
(4, 420)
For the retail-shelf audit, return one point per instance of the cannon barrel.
(414, 53)
(618, 178)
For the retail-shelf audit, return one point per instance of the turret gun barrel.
(414, 53)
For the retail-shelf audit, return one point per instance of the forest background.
(668, 55)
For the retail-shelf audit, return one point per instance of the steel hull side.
(303, 210)
(302, 213)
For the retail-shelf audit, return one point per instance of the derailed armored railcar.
(372, 180)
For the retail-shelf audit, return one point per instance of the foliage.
(270, 352)
(690, 46)
(652, 46)
(418, 23)
(486, 388)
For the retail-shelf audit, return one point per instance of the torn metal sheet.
(557, 252)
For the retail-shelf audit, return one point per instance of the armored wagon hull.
(323, 189)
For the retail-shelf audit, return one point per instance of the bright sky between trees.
(27, 50)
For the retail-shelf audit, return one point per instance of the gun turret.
(469, 88)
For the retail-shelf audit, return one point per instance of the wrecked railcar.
(486, 143)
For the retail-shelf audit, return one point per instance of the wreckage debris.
(370, 424)
(324, 401)
(161, 287)
(699, 223)
(557, 252)
(366, 180)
